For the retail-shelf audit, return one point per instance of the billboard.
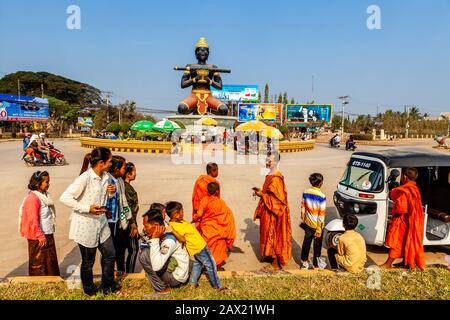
(309, 113)
(85, 122)
(237, 93)
(260, 111)
(24, 109)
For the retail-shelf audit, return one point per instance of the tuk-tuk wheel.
(333, 239)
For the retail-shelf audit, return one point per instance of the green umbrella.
(142, 126)
(166, 126)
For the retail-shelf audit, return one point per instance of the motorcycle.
(35, 159)
(334, 144)
(350, 147)
(442, 141)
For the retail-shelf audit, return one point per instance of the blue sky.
(130, 47)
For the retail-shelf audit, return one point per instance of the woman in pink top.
(37, 224)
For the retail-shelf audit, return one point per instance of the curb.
(142, 276)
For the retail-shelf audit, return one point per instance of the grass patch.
(433, 284)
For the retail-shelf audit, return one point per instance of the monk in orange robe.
(215, 222)
(406, 232)
(201, 186)
(275, 221)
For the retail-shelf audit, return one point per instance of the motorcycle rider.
(335, 141)
(26, 141)
(44, 147)
(350, 144)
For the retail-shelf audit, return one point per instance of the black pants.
(107, 261)
(332, 258)
(309, 238)
(124, 244)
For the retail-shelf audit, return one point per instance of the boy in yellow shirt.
(195, 244)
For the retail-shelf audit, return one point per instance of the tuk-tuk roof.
(409, 158)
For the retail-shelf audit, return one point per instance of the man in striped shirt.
(313, 219)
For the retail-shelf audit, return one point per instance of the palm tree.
(414, 113)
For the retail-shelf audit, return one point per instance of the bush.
(151, 135)
(114, 127)
(364, 137)
(283, 129)
(125, 127)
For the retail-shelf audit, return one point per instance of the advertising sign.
(85, 122)
(237, 93)
(24, 109)
(260, 111)
(308, 113)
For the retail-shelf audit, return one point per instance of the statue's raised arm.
(202, 76)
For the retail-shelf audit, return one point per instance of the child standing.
(313, 212)
(133, 202)
(216, 224)
(195, 245)
(37, 224)
(119, 216)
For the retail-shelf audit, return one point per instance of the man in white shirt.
(164, 259)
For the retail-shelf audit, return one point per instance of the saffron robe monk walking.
(273, 212)
(215, 222)
(201, 185)
(406, 232)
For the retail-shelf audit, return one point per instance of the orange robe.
(217, 227)
(200, 191)
(406, 232)
(275, 220)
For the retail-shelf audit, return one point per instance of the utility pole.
(108, 95)
(18, 88)
(42, 90)
(407, 122)
(344, 101)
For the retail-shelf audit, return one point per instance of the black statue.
(201, 77)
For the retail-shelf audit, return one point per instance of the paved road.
(159, 180)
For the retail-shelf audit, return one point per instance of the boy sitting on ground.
(351, 251)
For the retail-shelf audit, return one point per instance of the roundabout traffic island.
(164, 147)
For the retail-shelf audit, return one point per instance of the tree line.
(69, 99)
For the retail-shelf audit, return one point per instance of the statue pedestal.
(190, 120)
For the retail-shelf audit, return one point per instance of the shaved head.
(212, 169)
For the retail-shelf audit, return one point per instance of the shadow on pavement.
(252, 236)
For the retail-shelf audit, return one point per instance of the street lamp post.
(344, 101)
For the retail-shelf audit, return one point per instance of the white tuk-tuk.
(365, 188)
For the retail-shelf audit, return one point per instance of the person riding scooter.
(26, 141)
(335, 141)
(43, 147)
(350, 144)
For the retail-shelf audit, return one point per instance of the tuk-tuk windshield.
(363, 175)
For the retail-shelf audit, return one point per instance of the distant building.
(445, 115)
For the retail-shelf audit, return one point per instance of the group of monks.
(216, 224)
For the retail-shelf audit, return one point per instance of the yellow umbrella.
(207, 122)
(271, 132)
(251, 126)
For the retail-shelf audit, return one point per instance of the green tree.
(61, 113)
(266, 93)
(280, 98)
(292, 101)
(114, 127)
(285, 98)
(73, 92)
